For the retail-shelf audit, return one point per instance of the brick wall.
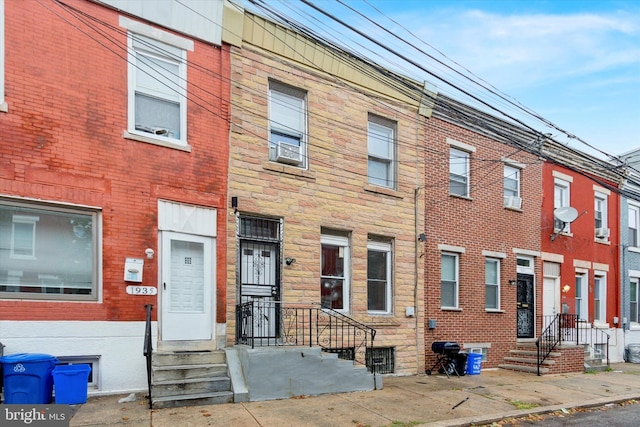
(62, 141)
(478, 223)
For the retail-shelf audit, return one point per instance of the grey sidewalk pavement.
(412, 400)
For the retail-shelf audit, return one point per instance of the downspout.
(415, 275)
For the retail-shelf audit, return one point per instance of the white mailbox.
(133, 270)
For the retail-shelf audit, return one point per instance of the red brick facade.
(477, 227)
(62, 142)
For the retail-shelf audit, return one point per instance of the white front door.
(550, 297)
(187, 287)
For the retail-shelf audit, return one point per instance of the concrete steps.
(189, 379)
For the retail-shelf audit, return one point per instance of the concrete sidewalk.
(415, 400)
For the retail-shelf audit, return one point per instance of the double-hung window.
(458, 172)
(449, 280)
(634, 293)
(600, 299)
(334, 275)
(287, 124)
(600, 215)
(582, 309)
(157, 83)
(50, 251)
(512, 197)
(492, 283)
(379, 285)
(561, 199)
(633, 223)
(381, 148)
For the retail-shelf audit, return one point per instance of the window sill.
(381, 190)
(289, 170)
(634, 249)
(156, 141)
(634, 327)
(4, 107)
(564, 233)
(458, 196)
(509, 208)
(494, 310)
(450, 309)
(602, 241)
(600, 325)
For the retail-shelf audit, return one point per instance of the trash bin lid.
(27, 357)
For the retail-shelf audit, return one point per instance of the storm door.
(259, 275)
(525, 311)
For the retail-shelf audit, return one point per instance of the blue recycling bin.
(70, 383)
(474, 363)
(27, 378)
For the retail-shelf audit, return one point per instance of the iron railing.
(148, 349)
(273, 323)
(570, 329)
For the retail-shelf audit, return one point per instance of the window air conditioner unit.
(288, 153)
(602, 233)
(514, 202)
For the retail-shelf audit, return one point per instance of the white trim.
(388, 248)
(449, 248)
(461, 145)
(602, 190)
(634, 273)
(547, 256)
(579, 270)
(562, 176)
(600, 267)
(578, 263)
(513, 163)
(492, 254)
(343, 243)
(528, 252)
(156, 33)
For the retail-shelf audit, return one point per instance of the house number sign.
(142, 290)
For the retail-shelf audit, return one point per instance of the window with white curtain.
(287, 124)
(492, 283)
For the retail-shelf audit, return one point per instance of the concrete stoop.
(189, 379)
(268, 373)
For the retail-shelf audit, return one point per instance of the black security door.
(525, 314)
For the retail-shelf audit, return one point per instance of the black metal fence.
(271, 323)
(571, 329)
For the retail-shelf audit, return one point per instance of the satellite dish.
(566, 214)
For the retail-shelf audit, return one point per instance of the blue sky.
(576, 63)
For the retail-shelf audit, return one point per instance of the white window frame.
(455, 282)
(600, 297)
(496, 285)
(600, 214)
(458, 157)
(582, 302)
(162, 46)
(512, 198)
(633, 220)
(561, 199)
(387, 248)
(634, 285)
(28, 221)
(381, 149)
(343, 244)
(288, 126)
(3, 104)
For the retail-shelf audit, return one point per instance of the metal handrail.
(566, 327)
(148, 349)
(274, 323)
